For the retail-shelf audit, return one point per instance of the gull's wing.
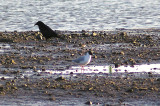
(79, 60)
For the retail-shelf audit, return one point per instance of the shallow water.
(79, 14)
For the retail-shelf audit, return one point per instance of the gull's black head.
(90, 53)
(39, 23)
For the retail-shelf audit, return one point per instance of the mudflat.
(29, 51)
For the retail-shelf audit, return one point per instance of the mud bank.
(26, 51)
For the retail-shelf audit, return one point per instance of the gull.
(83, 60)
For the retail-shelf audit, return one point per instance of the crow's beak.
(35, 24)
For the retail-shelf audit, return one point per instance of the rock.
(52, 98)
(1, 88)
(3, 78)
(88, 103)
(13, 62)
(158, 79)
(130, 90)
(39, 37)
(71, 73)
(94, 34)
(43, 69)
(116, 65)
(60, 79)
(150, 74)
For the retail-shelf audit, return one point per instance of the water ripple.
(77, 15)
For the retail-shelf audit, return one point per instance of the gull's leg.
(83, 69)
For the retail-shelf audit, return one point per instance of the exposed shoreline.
(23, 51)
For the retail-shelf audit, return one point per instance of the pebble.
(88, 103)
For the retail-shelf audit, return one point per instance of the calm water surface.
(21, 15)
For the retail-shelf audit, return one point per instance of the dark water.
(79, 14)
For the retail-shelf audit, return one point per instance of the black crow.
(46, 31)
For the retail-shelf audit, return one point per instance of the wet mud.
(29, 51)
